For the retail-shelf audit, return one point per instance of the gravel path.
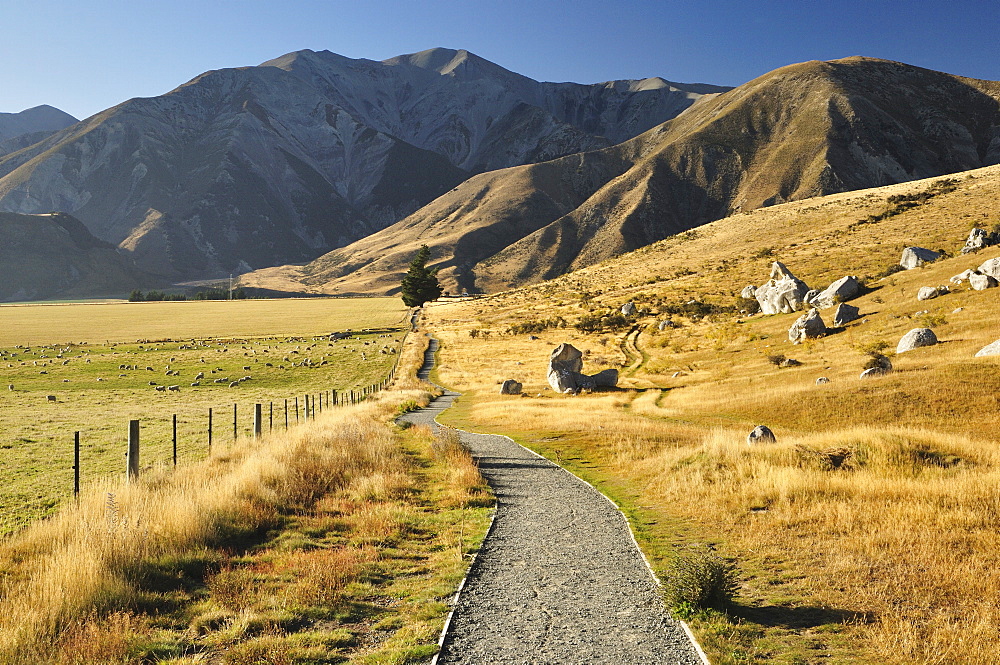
(559, 578)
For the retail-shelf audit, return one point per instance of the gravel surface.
(559, 578)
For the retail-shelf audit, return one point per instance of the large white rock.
(915, 339)
(628, 309)
(807, 326)
(845, 314)
(565, 376)
(914, 257)
(840, 291)
(991, 268)
(980, 282)
(989, 350)
(930, 292)
(760, 434)
(783, 293)
(748, 291)
(978, 239)
(962, 276)
(511, 387)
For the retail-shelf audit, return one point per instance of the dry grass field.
(63, 351)
(869, 532)
(336, 541)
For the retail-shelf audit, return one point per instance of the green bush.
(700, 579)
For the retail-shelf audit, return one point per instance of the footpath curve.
(559, 578)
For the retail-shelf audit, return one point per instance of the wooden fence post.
(175, 439)
(76, 464)
(270, 416)
(132, 456)
(296, 410)
(286, 414)
(257, 420)
(235, 432)
(210, 430)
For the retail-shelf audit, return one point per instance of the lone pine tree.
(419, 283)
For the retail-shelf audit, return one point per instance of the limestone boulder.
(565, 372)
(510, 387)
(628, 309)
(845, 288)
(981, 282)
(872, 372)
(915, 339)
(991, 268)
(807, 326)
(962, 276)
(783, 293)
(844, 314)
(760, 434)
(989, 350)
(914, 257)
(931, 292)
(748, 291)
(979, 239)
(665, 325)
(822, 380)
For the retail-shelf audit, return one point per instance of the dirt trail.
(559, 578)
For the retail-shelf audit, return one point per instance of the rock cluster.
(979, 239)
(931, 292)
(565, 376)
(843, 289)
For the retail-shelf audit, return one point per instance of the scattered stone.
(783, 293)
(982, 282)
(821, 380)
(532, 338)
(844, 314)
(628, 309)
(915, 339)
(914, 257)
(761, 434)
(677, 374)
(989, 350)
(748, 291)
(807, 326)
(666, 323)
(843, 289)
(930, 292)
(510, 387)
(962, 276)
(991, 268)
(957, 310)
(789, 362)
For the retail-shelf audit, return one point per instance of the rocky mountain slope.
(805, 130)
(257, 166)
(20, 130)
(53, 255)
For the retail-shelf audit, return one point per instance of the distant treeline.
(211, 294)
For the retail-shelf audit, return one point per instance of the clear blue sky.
(86, 55)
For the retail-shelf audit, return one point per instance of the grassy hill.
(868, 532)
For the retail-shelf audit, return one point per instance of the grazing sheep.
(51, 398)
(234, 384)
(10, 387)
(161, 389)
(196, 383)
(246, 368)
(176, 389)
(201, 375)
(152, 383)
(150, 369)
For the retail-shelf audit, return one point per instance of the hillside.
(258, 166)
(847, 530)
(49, 256)
(805, 130)
(35, 120)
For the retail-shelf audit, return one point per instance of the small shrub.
(776, 359)
(700, 579)
(233, 588)
(748, 305)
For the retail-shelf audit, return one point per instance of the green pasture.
(61, 351)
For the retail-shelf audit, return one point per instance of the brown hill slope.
(48, 256)
(805, 130)
(873, 485)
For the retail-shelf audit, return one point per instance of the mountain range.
(20, 130)
(801, 131)
(320, 173)
(251, 167)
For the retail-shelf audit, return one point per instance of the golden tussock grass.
(323, 500)
(869, 532)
